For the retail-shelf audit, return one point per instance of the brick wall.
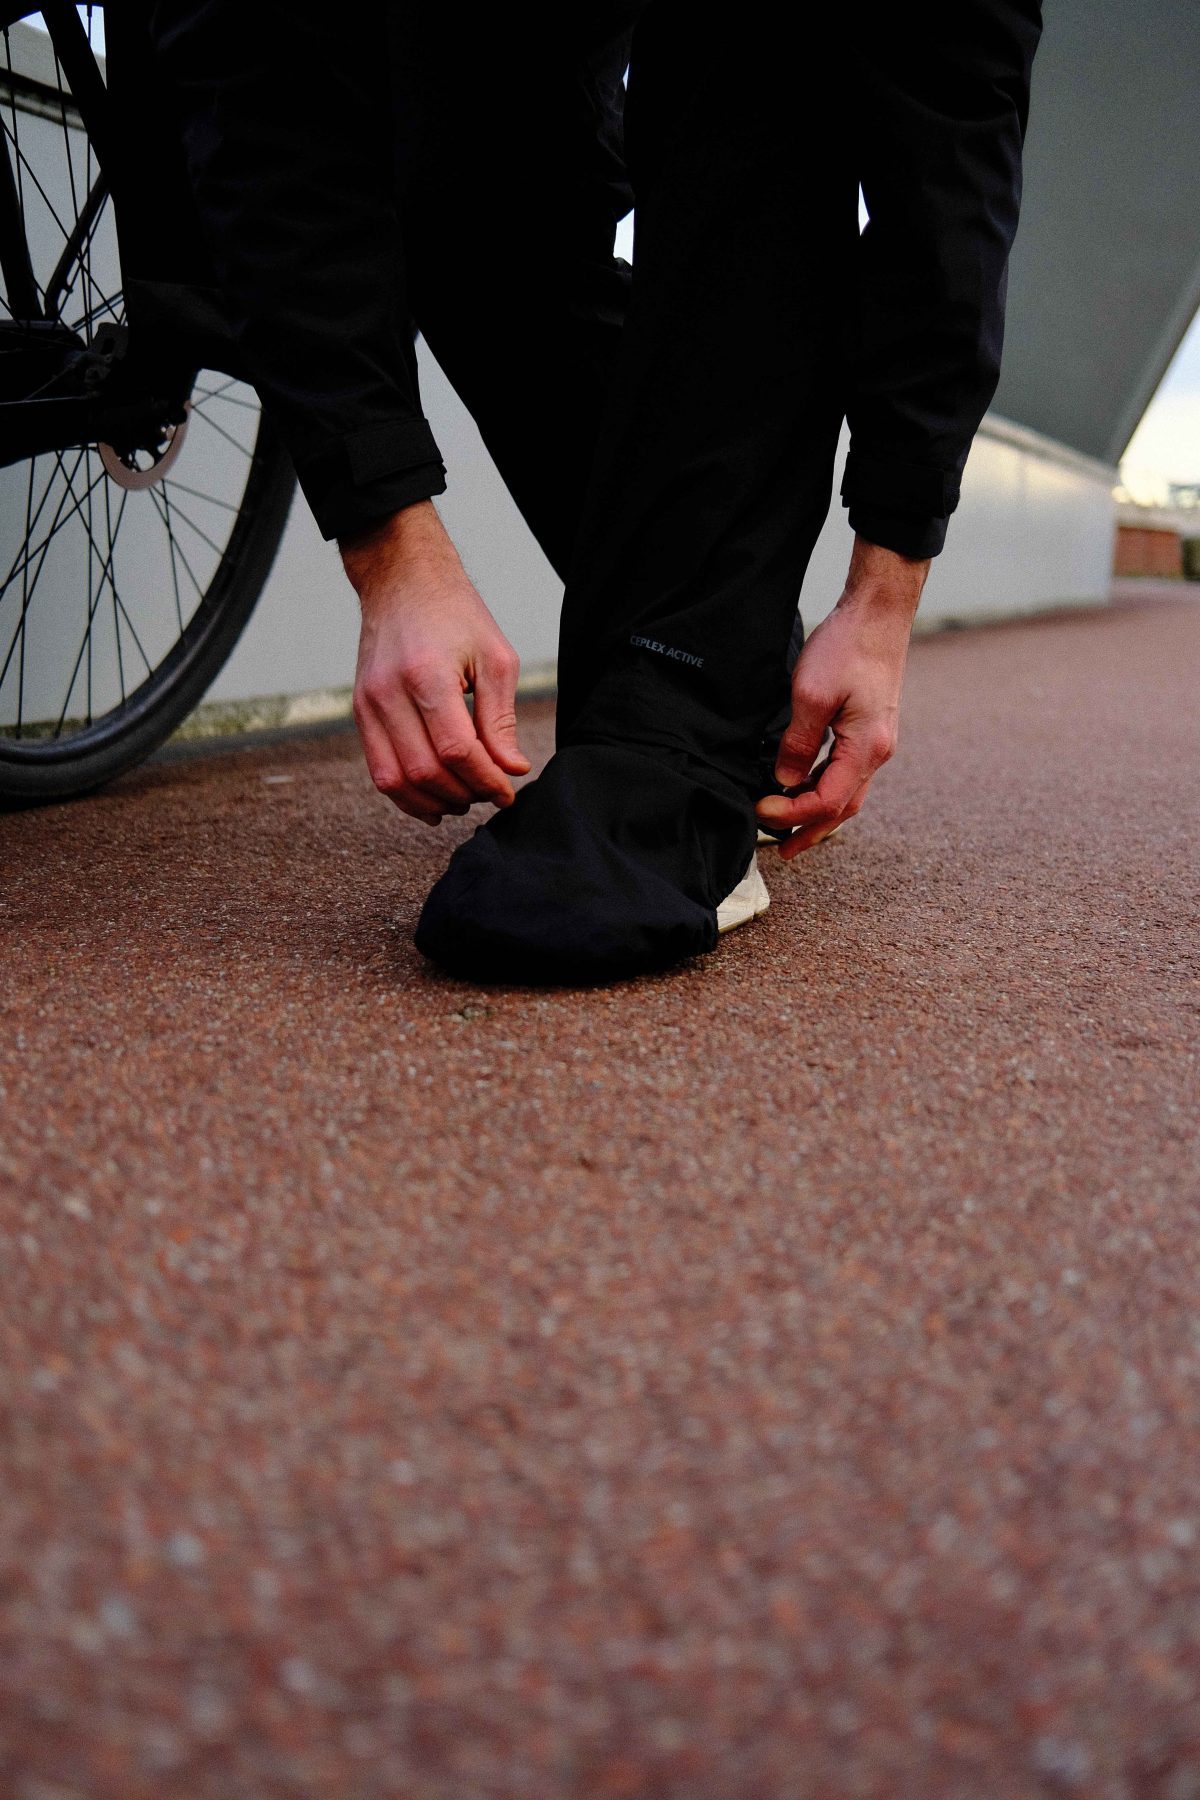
(1147, 550)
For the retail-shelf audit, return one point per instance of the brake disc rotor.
(142, 467)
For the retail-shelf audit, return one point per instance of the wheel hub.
(139, 464)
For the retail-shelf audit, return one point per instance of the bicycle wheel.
(127, 571)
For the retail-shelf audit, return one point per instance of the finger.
(409, 801)
(845, 772)
(423, 804)
(801, 742)
(421, 768)
(457, 745)
(389, 711)
(385, 771)
(496, 710)
(822, 763)
(812, 835)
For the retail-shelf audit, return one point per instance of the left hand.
(849, 678)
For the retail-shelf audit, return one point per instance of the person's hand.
(427, 641)
(848, 678)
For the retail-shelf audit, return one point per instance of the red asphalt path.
(778, 1379)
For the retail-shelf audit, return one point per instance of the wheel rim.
(110, 556)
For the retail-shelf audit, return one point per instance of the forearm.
(940, 104)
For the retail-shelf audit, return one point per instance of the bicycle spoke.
(107, 570)
(24, 610)
(215, 393)
(87, 632)
(45, 550)
(188, 520)
(221, 429)
(83, 259)
(24, 163)
(36, 554)
(77, 255)
(67, 151)
(94, 598)
(18, 634)
(97, 202)
(22, 555)
(112, 553)
(174, 568)
(169, 481)
(60, 524)
(85, 250)
(87, 629)
(116, 610)
(110, 303)
(229, 399)
(20, 196)
(90, 589)
(177, 547)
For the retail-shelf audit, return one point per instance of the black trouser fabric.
(358, 170)
(711, 483)
(469, 175)
(751, 333)
(340, 157)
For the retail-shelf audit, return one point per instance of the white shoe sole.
(749, 900)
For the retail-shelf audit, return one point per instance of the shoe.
(612, 863)
(749, 900)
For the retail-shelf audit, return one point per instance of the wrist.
(883, 580)
(409, 542)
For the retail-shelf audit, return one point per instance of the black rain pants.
(671, 446)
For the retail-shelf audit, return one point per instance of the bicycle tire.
(42, 772)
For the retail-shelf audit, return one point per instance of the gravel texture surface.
(778, 1379)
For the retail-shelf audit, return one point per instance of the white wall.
(1033, 530)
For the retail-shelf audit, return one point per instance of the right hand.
(427, 641)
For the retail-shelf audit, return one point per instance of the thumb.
(801, 742)
(496, 712)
